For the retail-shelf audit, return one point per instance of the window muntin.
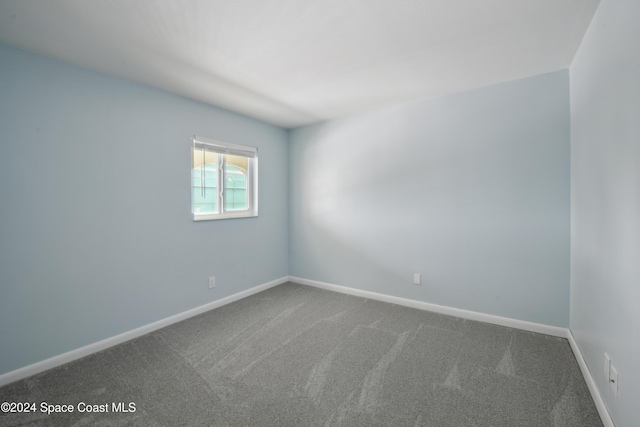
(223, 180)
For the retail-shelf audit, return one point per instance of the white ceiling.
(295, 62)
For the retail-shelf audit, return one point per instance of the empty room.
(320, 212)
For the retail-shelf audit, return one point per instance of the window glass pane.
(204, 177)
(223, 179)
(235, 183)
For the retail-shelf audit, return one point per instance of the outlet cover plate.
(613, 380)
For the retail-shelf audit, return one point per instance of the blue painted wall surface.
(96, 235)
(470, 190)
(605, 202)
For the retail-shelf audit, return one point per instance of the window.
(224, 180)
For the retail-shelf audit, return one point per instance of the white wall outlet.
(416, 278)
(613, 380)
(607, 365)
(212, 282)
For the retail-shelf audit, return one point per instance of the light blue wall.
(470, 190)
(605, 201)
(96, 236)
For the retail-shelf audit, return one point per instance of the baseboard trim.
(87, 350)
(465, 314)
(591, 384)
(38, 367)
(481, 317)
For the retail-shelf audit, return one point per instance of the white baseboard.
(593, 388)
(481, 317)
(81, 352)
(465, 314)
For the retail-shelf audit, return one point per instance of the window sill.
(228, 215)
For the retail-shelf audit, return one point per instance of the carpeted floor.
(300, 356)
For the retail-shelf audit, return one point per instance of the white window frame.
(221, 147)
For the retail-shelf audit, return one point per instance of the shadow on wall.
(470, 190)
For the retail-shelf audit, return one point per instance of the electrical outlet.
(613, 380)
(416, 278)
(212, 282)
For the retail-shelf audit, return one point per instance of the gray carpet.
(299, 356)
